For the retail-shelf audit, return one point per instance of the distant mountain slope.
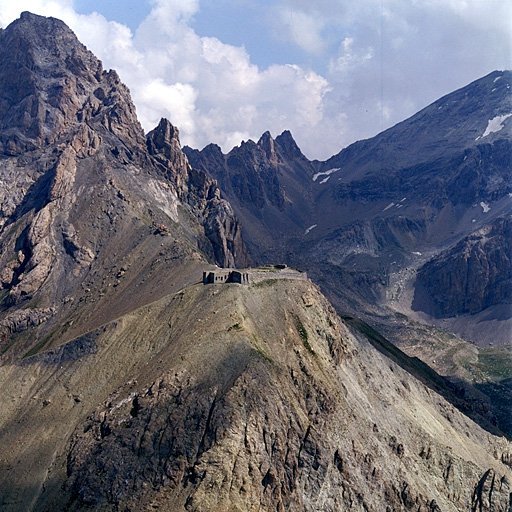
(268, 183)
(406, 230)
(94, 219)
(128, 385)
(474, 116)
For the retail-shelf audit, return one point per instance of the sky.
(330, 71)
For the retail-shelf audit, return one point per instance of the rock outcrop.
(196, 188)
(50, 81)
(264, 181)
(474, 275)
(128, 386)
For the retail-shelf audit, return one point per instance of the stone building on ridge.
(247, 276)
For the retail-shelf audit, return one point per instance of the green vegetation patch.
(496, 363)
(38, 347)
(303, 335)
(8, 346)
(263, 354)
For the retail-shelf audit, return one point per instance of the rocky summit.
(130, 384)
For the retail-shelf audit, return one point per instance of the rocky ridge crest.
(126, 385)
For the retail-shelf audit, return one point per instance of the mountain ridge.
(189, 431)
(381, 205)
(378, 221)
(128, 384)
(85, 176)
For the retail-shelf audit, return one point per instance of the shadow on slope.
(501, 393)
(472, 402)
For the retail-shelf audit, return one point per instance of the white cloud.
(350, 57)
(10, 10)
(357, 68)
(177, 102)
(303, 28)
(169, 11)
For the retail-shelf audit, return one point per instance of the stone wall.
(248, 276)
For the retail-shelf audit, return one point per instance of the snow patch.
(390, 205)
(496, 79)
(310, 228)
(494, 125)
(403, 199)
(485, 207)
(417, 253)
(326, 173)
(325, 180)
(510, 194)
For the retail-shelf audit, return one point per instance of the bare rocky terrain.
(95, 218)
(230, 397)
(367, 219)
(128, 385)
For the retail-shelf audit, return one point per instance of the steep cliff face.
(266, 400)
(200, 191)
(49, 82)
(474, 275)
(90, 209)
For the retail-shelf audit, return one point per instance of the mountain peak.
(163, 143)
(50, 83)
(265, 137)
(165, 134)
(266, 143)
(288, 145)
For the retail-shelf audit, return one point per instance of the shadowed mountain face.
(365, 220)
(268, 184)
(95, 218)
(128, 386)
(474, 275)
